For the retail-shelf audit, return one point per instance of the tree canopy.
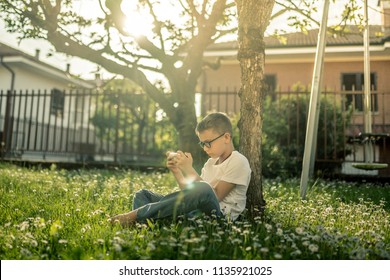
(173, 49)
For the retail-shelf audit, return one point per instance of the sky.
(87, 70)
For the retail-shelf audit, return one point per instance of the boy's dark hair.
(219, 122)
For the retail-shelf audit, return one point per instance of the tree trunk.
(253, 18)
(185, 121)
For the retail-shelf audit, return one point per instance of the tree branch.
(198, 44)
(157, 25)
(297, 9)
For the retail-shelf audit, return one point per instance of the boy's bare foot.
(126, 219)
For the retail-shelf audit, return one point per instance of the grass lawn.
(62, 214)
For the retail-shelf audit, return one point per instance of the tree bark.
(185, 125)
(253, 18)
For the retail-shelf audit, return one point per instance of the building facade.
(37, 99)
(289, 69)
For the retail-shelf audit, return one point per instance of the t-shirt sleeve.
(238, 171)
(205, 172)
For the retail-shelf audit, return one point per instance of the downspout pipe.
(7, 129)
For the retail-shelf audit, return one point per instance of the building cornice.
(46, 69)
(307, 54)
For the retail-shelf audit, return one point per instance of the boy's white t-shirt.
(235, 169)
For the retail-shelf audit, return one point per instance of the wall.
(288, 74)
(28, 79)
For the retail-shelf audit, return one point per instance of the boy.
(220, 189)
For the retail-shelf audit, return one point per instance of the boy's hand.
(172, 161)
(180, 165)
(184, 161)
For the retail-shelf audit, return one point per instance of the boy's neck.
(225, 155)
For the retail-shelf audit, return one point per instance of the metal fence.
(83, 126)
(342, 115)
(89, 126)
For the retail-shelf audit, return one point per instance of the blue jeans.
(195, 198)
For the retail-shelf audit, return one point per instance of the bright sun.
(138, 22)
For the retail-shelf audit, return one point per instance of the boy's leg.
(144, 197)
(196, 196)
(140, 199)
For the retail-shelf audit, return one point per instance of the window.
(57, 102)
(355, 82)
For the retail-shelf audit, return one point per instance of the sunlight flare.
(137, 22)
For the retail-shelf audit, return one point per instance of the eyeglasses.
(208, 143)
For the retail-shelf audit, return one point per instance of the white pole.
(367, 86)
(312, 120)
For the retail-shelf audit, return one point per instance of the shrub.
(284, 130)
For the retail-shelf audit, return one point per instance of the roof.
(352, 36)
(6, 50)
(11, 55)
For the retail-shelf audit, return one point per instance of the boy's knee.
(204, 186)
(141, 195)
(140, 198)
(201, 188)
(204, 194)
(142, 192)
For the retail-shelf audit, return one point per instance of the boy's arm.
(184, 162)
(172, 166)
(186, 179)
(179, 178)
(237, 173)
(182, 176)
(222, 189)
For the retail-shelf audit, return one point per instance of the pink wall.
(227, 78)
(288, 74)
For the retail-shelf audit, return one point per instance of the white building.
(43, 101)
